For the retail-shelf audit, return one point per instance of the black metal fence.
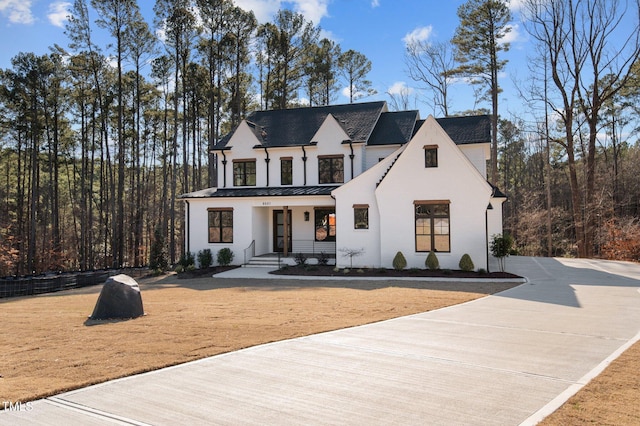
(49, 283)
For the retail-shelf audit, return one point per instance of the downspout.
(267, 160)
(486, 231)
(351, 156)
(304, 162)
(224, 170)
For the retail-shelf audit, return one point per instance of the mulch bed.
(331, 271)
(205, 272)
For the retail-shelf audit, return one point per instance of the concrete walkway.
(507, 359)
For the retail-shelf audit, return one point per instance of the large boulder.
(119, 299)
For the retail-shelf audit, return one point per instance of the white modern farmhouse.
(350, 177)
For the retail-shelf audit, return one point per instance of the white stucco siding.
(455, 180)
(494, 225)
(243, 224)
(360, 191)
(375, 153)
(329, 138)
(253, 221)
(478, 154)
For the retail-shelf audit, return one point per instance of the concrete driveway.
(506, 359)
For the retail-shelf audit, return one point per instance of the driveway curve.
(507, 359)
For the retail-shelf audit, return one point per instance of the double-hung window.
(220, 225)
(244, 172)
(432, 226)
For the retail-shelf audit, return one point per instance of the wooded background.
(97, 142)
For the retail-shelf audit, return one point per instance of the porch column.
(285, 231)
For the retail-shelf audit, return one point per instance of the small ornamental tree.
(466, 264)
(432, 261)
(351, 253)
(399, 262)
(501, 248)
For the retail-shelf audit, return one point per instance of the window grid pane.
(361, 218)
(432, 227)
(220, 226)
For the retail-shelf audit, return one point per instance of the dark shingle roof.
(394, 128)
(297, 126)
(466, 130)
(368, 122)
(284, 191)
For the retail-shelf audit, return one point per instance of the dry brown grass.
(47, 348)
(612, 398)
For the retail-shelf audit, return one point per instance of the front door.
(278, 230)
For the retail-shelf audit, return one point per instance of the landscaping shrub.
(225, 256)
(399, 262)
(301, 259)
(323, 259)
(187, 259)
(205, 258)
(157, 259)
(466, 264)
(432, 261)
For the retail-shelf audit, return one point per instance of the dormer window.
(331, 169)
(244, 172)
(431, 156)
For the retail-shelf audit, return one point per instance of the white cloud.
(59, 13)
(18, 11)
(265, 10)
(516, 5)
(375, 3)
(312, 10)
(400, 88)
(513, 35)
(418, 34)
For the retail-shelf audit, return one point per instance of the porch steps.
(265, 262)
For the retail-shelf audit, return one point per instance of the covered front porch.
(284, 231)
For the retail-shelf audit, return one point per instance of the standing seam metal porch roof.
(277, 191)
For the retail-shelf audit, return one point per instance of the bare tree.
(432, 64)
(577, 37)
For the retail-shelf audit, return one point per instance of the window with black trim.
(286, 171)
(432, 226)
(244, 173)
(431, 156)
(361, 216)
(331, 169)
(220, 225)
(325, 229)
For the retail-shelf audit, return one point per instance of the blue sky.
(377, 28)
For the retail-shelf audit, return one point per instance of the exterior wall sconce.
(306, 216)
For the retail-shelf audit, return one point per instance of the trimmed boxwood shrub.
(399, 262)
(225, 256)
(432, 261)
(205, 258)
(466, 264)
